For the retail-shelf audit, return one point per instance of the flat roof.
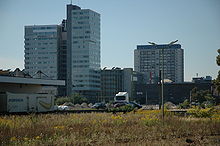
(20, 80)
(162, 46)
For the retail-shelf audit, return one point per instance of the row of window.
(27, 58)
(153, 53)
(44, 27)
(80, 61)
(46, 38)
(77, 56)
(90, 81)
(80, 66)
(80, 13)
(85, 76)
(81, 17)
(40, 62)
(33, 53)
(42, 67)
(81, 27)
(94, 86)
(38, 48)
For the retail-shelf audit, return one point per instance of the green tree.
(62, 100)
(218, 58)
(78, 99)
(202, 96)
(74, 98)
(217, 80)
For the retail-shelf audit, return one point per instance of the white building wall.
(85, 50)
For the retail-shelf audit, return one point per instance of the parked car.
(132, 103)
(63, 107)
(99, 105)
(119, 104)
(135, 105)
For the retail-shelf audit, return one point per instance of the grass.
(143, 127)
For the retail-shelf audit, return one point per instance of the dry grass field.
(143, 127)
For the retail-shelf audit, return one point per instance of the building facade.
(173, 92)
(70, 52)
(148, 60)
(118, 80)
(19, 92)
(41, 49)
(83, 51)
(62, 59)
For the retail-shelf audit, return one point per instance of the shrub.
(184, 105)
(62, 100)
(201, 113)
(78, 99)
(124, 109)
(75, 98)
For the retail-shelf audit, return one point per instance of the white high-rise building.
(70, 51)
(83, 51)
(148, 60)
(41, 50)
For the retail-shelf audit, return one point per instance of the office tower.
(83, 51)
(41, 50)
(148, 60)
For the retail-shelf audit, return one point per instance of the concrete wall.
(20, 88)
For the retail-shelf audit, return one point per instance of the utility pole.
(146, 97)
(190, 98)
(162, 74)
(162, 89)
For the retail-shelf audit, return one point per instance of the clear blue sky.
(124, 24)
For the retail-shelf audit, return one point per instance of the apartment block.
(148, 59)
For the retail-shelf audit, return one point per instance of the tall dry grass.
(139, 128)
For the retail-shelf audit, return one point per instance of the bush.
(201, 113)
(124, 109)
(62, 100)
(184, 105)
(78, 99)
(75, 99)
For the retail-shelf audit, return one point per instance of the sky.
(124, 25)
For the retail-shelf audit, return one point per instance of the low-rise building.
(173, 92)
(19, 92)
(118, 80)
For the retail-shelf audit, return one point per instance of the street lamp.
(162, 74)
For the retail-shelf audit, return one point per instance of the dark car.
(99, 105)
(135, 105)
(119, 104)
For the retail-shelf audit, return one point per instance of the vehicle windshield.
(120, 97)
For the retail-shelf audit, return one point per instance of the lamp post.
(162, 74)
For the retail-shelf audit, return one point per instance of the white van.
(121, 97)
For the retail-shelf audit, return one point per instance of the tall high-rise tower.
(41, 49)
(83, 51)
(148, 60)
